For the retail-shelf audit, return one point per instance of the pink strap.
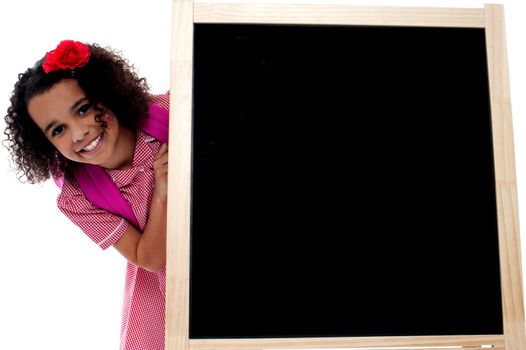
(97, 185)
(100, 190)
(156, 124)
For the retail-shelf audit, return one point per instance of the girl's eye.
(57, 131)
(84, 109)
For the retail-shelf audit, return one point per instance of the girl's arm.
(148, 250)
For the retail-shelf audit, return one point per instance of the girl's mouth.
(93, 146)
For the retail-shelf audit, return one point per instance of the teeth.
(92, 145)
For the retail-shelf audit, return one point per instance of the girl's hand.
(160, 167)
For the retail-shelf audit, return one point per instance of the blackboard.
(343, 183)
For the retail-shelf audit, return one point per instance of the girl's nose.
(79, 132)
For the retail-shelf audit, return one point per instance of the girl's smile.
(93, 146)
(68, 119)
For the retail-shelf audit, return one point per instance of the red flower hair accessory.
(69, 54)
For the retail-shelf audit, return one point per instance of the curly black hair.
(108, 80)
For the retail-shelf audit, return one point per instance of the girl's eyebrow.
(71, 109)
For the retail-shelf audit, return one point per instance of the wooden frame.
(491, 17)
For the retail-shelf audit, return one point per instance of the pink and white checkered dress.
(143, 316)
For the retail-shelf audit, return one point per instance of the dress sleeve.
(101, 226)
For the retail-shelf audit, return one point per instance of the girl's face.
(67, 118)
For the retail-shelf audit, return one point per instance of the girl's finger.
(162, 160)
(163, 151)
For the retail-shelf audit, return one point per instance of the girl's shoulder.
(162, 100)
(98, 224)
(71, 201)
(70, 191)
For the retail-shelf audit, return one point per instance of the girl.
(80, 108)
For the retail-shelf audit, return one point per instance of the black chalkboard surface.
(342, 183)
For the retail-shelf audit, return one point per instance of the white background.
(57, 289)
